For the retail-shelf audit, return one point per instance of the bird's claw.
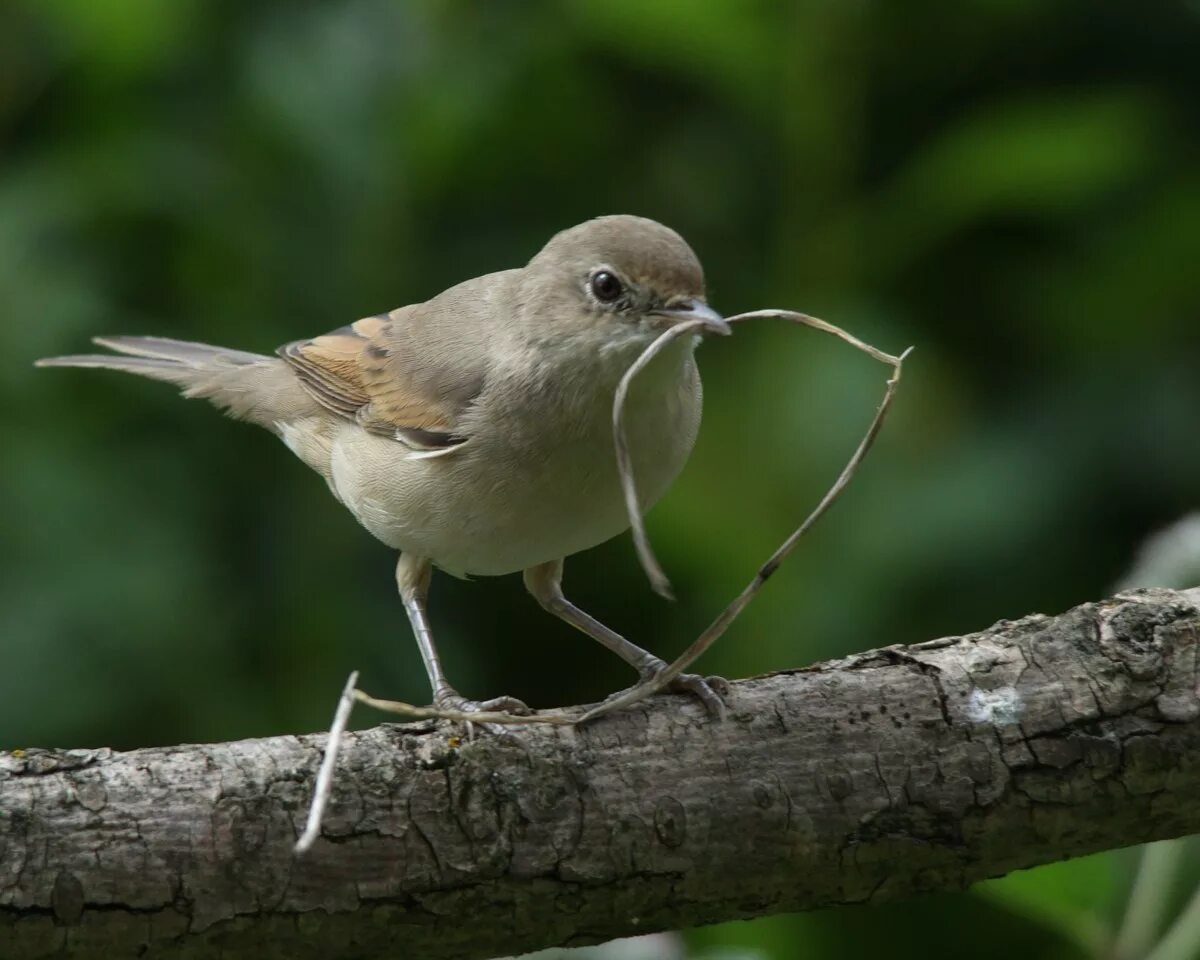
(710, 691)
(451, 700)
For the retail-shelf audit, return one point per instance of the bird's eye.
(605, 286)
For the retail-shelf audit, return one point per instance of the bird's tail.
(248, 386)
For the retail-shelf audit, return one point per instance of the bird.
(473, 432)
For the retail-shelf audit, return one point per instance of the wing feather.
(361, 372)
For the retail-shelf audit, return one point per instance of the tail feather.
(181, 351)
(156, 369)
(248, 386)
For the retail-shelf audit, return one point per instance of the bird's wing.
(379, 373)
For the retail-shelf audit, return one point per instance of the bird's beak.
(694, 309)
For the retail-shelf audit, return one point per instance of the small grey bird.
(473, 432)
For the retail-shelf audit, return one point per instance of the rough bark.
(887, 774)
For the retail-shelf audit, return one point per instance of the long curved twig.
(715, 629)
(633, 508)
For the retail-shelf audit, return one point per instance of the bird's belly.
(493, 507)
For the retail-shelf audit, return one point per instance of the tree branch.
(884, 775)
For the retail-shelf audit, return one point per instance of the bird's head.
(623, 278)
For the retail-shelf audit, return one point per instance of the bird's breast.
(537, 480)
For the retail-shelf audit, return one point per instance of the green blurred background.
(1012, 186)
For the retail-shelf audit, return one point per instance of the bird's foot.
(709, 691)
(449, 699)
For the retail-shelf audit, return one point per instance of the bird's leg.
(412, 577)
(545, 583)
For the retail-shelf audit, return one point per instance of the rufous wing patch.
(354, 373)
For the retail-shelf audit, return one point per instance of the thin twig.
(463, 716)
(823, 326)
(658, 579)
(324, 784)
(718, 627)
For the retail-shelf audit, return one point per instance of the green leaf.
(1074, 896)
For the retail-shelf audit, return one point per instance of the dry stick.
(654, 572)
(324, 784)
(658, 579)
(462, 716)
(714, 631)
(824, 327)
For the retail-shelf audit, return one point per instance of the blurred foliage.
(1012, 186)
